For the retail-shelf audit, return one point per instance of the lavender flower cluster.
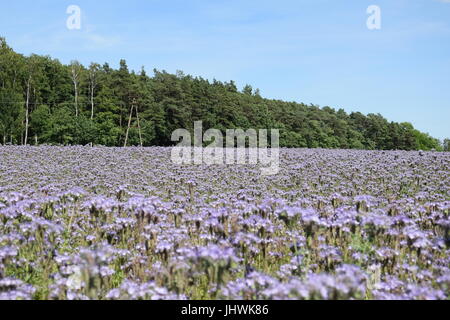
(127, 223)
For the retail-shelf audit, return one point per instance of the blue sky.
(315, 51)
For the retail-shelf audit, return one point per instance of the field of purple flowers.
(127, 223)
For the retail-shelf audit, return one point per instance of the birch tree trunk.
(92, 102)
(92, 72)
(27, 111)
(76, 97)
(76, 69)
(128, 128)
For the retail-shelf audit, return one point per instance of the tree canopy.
(45, 101)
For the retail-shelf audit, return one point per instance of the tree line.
(43, 101)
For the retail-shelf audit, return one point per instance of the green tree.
(11, 115)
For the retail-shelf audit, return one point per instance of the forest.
(43, 101)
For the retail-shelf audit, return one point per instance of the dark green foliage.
(11, 113)
(166, 102)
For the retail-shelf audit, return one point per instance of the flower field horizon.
(127, 223)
